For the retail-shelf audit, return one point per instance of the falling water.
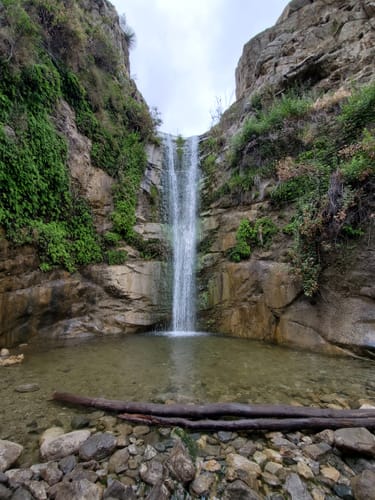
(182, 194)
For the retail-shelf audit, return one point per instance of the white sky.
(186, 53)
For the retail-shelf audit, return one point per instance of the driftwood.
(262, 417)
(256, 424)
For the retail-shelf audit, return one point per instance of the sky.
(186, 53)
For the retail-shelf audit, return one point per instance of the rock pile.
(110, 459)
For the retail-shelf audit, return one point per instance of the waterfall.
(182, 173)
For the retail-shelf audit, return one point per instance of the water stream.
(182, 173)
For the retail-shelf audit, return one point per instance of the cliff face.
(80, 173)
(287, 250)
(322, 44)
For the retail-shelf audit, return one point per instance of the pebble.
(27, 388)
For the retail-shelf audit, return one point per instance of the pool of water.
(184, 368)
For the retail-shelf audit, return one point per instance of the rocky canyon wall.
(87, 60)
(322, 51)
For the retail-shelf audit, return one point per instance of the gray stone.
(317, 451)
(356, 439)
(202, 484)
(119, 461)
(296, 488)
(55, 446)
(79, 422)
(51, 473)
(151, 472)
(19, 477)
(77, 490)
(98, 446)
(9, 453)
(119, 491)
(364, 485)
(80, 472)
(3, 478)
(67, 464)
(180, 463)
(5, 492)
(27, 388)
(225, 436)
(38, 489)
(159, 492)
(240, 491)
(22, 494)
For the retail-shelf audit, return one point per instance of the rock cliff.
(283, 257)
(320, 43)
(99, 215)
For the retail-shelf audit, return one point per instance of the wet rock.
(141, 430)
(56, 445)
(152, 472)
(119, 491)
(9, 453)
(296, 488)
(67, 464)
(106, 423)
(27, 388)
(119, 461)
(77, 490)
(5, 492)
(180, 464)
(79, 422)
(3, 478)
(98, 446)
(356, 439)
(12, 360)
(239, 467)
(51, 473)
(202, 484)
(240, 491)
(363, 485)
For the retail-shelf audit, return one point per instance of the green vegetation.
(287, 107)
(257, 234)
(327, 183)
(41, 46)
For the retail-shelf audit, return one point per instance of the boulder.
(355, 440)
(98, 446)
(9, 453)
(55, 444)
(363, 485)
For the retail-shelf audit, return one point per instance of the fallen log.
(258, 424)
(211, 409)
